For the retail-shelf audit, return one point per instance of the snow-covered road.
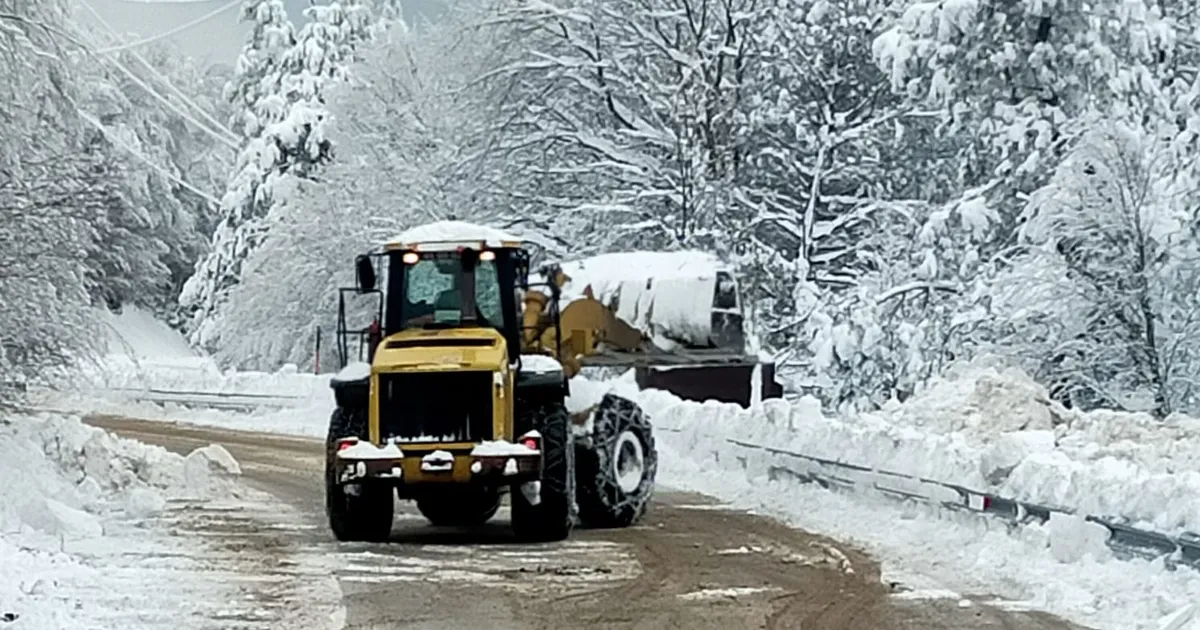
(691, 564)
(984, 429)
(101, 532)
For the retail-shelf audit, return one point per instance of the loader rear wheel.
(616, 471)
(550, 518)
(471, 508)
(358, 512)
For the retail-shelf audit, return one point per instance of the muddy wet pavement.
(690, 564)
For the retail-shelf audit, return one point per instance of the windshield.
(432, 295)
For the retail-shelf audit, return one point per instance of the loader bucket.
(726, 383)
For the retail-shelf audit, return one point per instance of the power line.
(172, 106)
(188, 101)
(175, 108)
(142, 157)
(224, 135)
(178, 29)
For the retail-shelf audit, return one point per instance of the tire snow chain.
(1125, 540)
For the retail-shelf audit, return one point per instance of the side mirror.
(364, 272)
(521, 269)
(470, 259)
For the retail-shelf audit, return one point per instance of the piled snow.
(987, 429)
(145, 353)
(151, 372)
(641, 266)
(141, 335)
(979, 427)
(999, 430)
(540, 363)
(63, 481)
(201, 375)
(501, 448)
(438, 461)
(367, 450)
(668, 296)
(354, 371)
(453, 232)
(286, 401)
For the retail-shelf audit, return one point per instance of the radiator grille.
(436, 406)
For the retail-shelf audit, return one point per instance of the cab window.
(432, 293)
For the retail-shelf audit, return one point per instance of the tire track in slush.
(689, 564)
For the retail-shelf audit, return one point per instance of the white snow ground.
(97, 531)
(100, 531)
(146, 359)
(981, 428)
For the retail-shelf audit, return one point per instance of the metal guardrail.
(1124, 539)
(212, 400)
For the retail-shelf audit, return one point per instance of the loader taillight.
(531, 440)
(346, 443)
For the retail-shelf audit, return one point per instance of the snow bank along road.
(691, 564)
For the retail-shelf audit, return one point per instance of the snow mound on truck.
(668, 296)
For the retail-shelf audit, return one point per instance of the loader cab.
(447, 275)
(454, 288)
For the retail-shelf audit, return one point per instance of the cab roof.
(451, 235)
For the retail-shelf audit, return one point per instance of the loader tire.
(365, 516)
(615, 473)
(552, 518)
(470, 508)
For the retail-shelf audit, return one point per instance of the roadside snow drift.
(990, 430)
(982, 428)
(151, 372)
(62, 482)
(986, 429)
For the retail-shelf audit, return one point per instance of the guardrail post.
(317, 354)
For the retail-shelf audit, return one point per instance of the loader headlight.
(487, 255)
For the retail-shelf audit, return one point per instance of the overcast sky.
(216, 40)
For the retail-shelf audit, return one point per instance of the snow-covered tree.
(1108, 285)
(50, 192)
(636, 100)
(869, 168)
(291, 143)
(1014, 75)
(271, 36)
(323, 49)
(157, 224)
(389, 15)
(401, 132)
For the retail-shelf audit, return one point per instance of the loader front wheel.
(546, 515)
(616, 471)
(357, 512)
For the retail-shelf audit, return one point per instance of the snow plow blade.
(696, 375)
(675, 317)
(734, 383)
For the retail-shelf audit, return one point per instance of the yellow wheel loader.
(461, 395)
